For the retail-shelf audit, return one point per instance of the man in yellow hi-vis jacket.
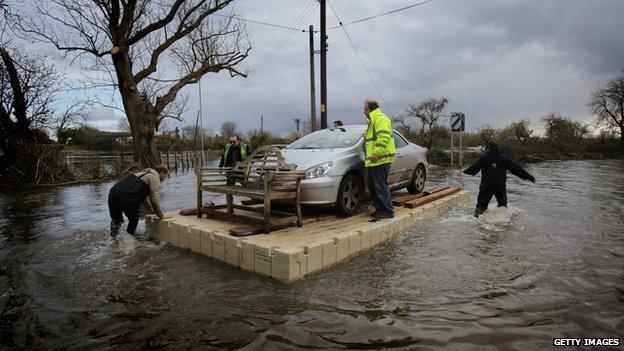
(380, 152)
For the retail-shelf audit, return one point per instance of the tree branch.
(152, 27)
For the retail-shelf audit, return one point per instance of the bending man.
(127, 195)
(494, 166)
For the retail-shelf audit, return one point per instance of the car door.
(397, 169)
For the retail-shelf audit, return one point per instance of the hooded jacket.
(494, 166)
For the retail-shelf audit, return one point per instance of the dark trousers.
(378, 188)
(485, 195)
(118, 206)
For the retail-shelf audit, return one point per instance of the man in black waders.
(127, 195)
(494, 166)
(235, 150)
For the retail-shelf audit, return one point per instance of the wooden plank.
(232, 218)
(246, 192)
(260, 210)
(253, 230)
(401, 200)
(246, 230)
(430, 198)
(278, 222)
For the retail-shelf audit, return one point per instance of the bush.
(517, 131)
(36, 164)
(564, 128)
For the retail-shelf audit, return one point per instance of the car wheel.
(418, 180)
(350, 194)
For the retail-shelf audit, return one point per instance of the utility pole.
(201, 124)
(323, 66)
(297, 123)
(261, 124)
(312, 88)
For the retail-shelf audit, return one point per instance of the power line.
(281, 41)
(379, 15)
(302, 17)
(261, 22)
(361, 59)
(291, 31)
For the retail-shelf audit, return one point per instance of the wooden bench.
(264, 176)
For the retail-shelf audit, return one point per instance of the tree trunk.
(139, 111)
(13, 132)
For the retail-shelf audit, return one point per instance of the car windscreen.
(328, 139)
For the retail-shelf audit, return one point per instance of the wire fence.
(96, 164)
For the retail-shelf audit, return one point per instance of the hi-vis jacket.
(243, 149)
(379, 139)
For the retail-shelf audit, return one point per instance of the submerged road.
(550, 266)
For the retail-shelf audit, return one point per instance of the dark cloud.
(497, 61)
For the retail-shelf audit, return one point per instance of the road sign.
(458, 123)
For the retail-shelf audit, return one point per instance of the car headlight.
(319, 170)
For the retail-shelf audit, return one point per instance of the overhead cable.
(261, 22)
(379, 15)
(370, 76)
(302, 17)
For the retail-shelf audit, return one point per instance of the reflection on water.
(549, 266)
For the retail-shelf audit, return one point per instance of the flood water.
(550, 266)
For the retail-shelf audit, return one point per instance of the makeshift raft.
(292, 253)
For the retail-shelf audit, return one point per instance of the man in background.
(338, 124)
(494, 166)
(234, 151)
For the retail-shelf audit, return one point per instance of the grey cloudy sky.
(497, 61)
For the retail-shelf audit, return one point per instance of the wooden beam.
(401, 200)
(433, 197)
(232, 217)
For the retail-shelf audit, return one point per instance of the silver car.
(334, 164)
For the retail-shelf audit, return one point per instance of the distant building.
(124, 138)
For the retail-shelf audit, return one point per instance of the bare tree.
(27, 87)
(228, 128)
(557, 126)
(190, 132)
(427, 114)
(4, 9)
(123, 125)
(72, 116)
(135, 40)
(608, 104)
